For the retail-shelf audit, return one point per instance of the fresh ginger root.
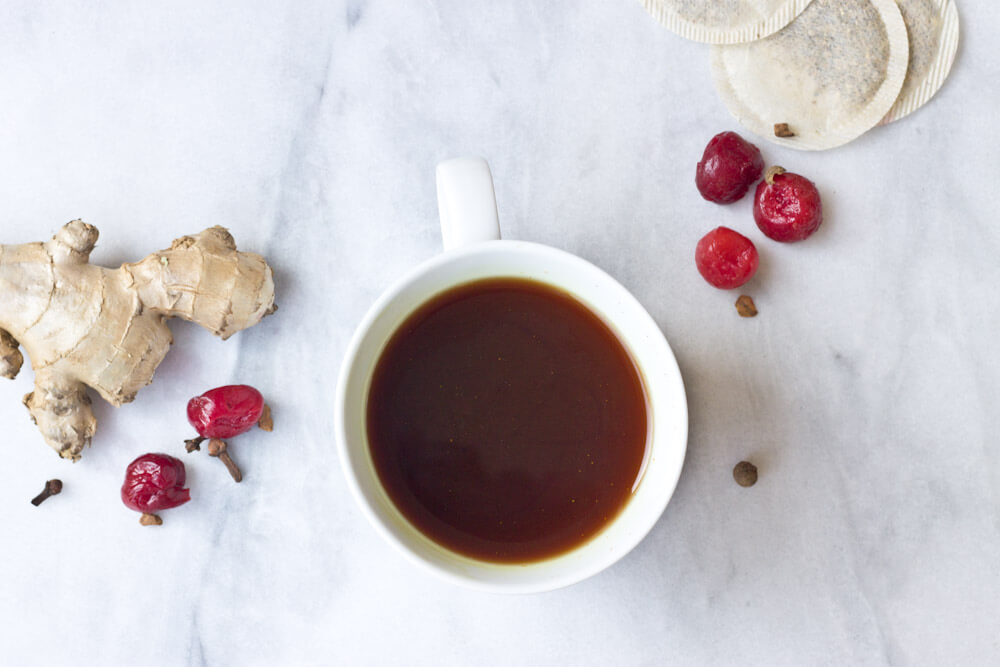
(85, 325)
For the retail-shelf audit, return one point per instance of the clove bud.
(52, 488)
(217, 448)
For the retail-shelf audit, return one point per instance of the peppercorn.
(745, 473)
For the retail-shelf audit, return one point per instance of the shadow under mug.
(474, 251)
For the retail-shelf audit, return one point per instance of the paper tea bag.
(830, 75)
(932, 26)
(725, 21)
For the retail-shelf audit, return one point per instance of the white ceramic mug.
(473, 251)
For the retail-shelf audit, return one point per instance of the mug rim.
(347, 457)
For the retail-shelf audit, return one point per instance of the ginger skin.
(84, 325)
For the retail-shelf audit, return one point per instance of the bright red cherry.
(725, 258)
(225, 412)
(787, 206)
(728, 167)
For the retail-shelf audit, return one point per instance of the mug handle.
(466, 202)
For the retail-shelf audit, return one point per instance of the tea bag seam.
(944, 58)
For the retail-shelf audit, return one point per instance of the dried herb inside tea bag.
(725, 21)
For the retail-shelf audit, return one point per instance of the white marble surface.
(867, 389)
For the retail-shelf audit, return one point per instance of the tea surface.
(506, 421)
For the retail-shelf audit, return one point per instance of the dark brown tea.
(506, 421)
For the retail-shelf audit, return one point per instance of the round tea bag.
(725, 21)
(932, 26)
(828, 77)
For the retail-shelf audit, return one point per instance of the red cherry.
(728, 167)
(225, 412)
(154, 482)
(726, 259)
(787, 206)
